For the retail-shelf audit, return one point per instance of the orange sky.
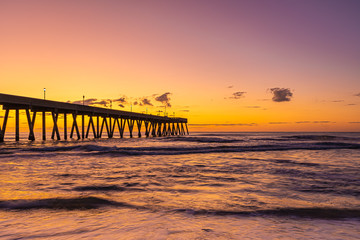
(201, 52)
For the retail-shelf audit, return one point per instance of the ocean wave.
(105, 188)
(318, 137)
(88, 203)
(309, 137)
(100, 150)
(314, 213)
(201, 139)
(76, 203)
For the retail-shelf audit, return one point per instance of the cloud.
(357, 95)
(145, 102)
(120, 105)
(237, 95)
(316, 122)
(354, 122)
(136, 103)
(184, 110)
(121, 100)
(102, 102)
(230, 86)
(87, 102)
(278, 122)
(164, 99)
(322, 122)
(252, 107)
(222, 124)
(338, 101)
(351, 104)
(281, 94)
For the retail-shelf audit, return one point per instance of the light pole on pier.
(44, 92)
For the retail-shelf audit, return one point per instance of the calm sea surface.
(201, 186)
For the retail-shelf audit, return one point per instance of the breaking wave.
(202, 139)
(319, 213)
(86, 203)
(77, 203)
(99, 150)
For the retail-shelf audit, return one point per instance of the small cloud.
(252, 107)
(136, 103)
(354, 122)
(278, 122)
(357, 95)
(120, 105)
(281, 94)
(337, 101)
(237, 95)
(164, 98)
(102, 102)
(121, 100)
(301, 122)
(230, 86)
(145, 102)
(322, 122)
(184, 110)
(87, 102)
(222, 124)
(351, 104)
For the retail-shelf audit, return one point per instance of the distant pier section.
(95, 121)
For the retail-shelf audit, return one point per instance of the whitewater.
(201, 186)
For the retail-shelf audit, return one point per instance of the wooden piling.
(17, 125)
(83, 126)
(55, 128)
(3, 128)
(65, 127)
(30, 124)
(43, 126)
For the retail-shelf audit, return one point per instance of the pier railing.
(98, 119)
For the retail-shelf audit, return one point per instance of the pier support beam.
(17, 125)
(98, 126)
(31, 123)
(110, 128)
(182, 129)
(107, 127)
(74, 126)
(153, 125)
(3, 128)
(159, 129)
(55, 128)
(82, 126)
(122, 127)
(146, 123)
(65, 127)
(139, 123)
(91, 124)
(43, 125)
(131, 126)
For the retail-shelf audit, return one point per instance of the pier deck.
(111, 119)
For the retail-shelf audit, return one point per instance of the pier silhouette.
(98, 119)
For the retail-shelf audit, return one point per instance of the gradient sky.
(200, 52)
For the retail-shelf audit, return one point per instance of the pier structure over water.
(97, 120)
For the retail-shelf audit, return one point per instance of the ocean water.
(201, 186)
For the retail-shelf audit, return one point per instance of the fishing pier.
(93, 120)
